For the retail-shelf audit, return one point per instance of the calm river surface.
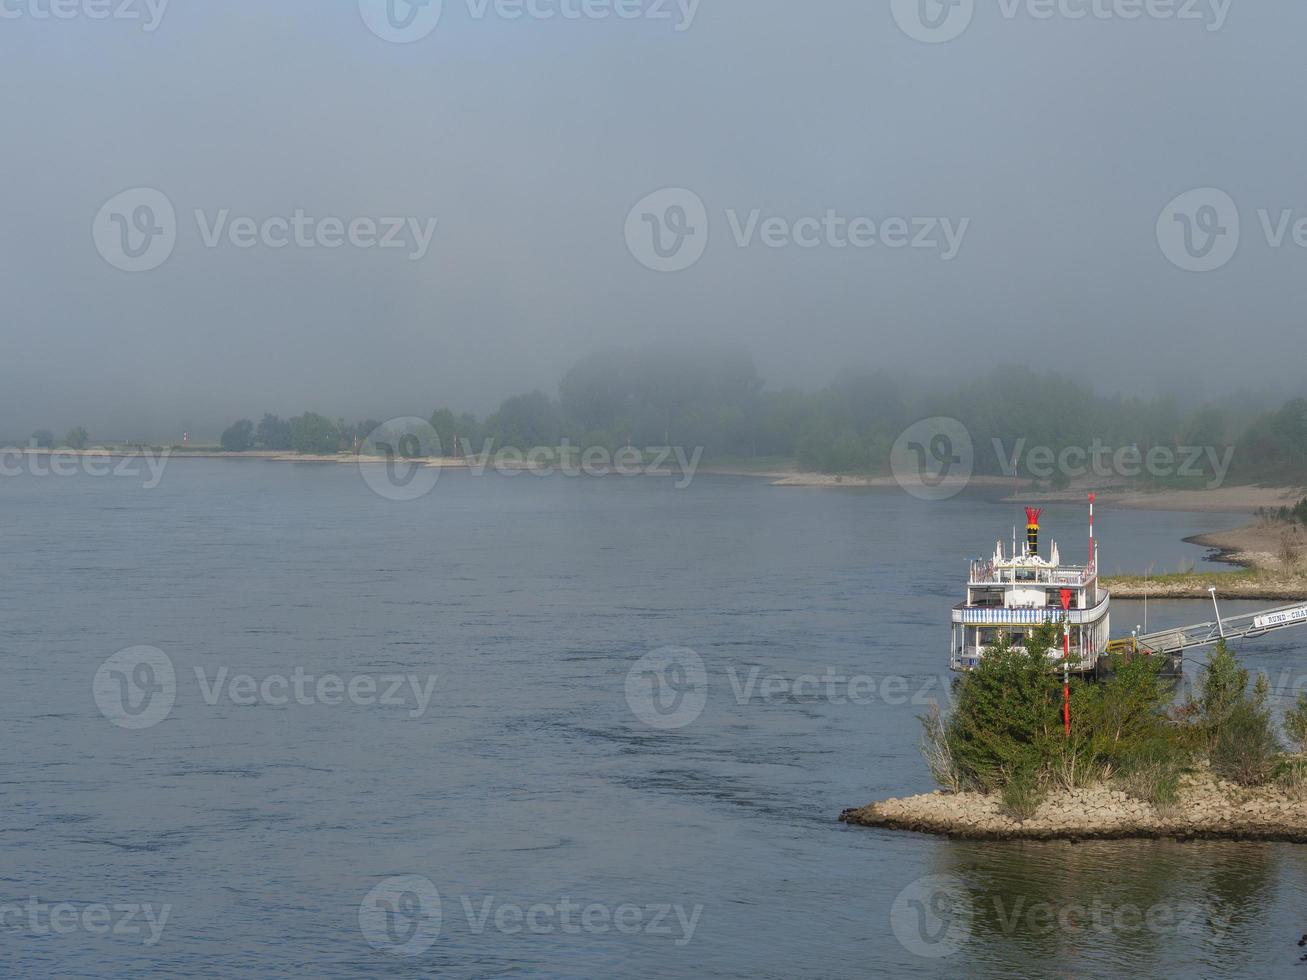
(526, 813)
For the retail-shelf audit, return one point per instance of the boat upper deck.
(992, 572)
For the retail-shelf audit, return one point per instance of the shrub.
(1152, 773)
(1022, 792)
(1245, 749)
(1005, 714)
(1291, 775)
(1295, 724)
(939, 756)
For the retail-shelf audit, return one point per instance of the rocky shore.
(1208, 809)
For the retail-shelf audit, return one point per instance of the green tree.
(451, 430)
(77, 438)
(273, 434)
(313, 433)
(239, 437)
(43, 439)
(1295, 723)
(526, 421)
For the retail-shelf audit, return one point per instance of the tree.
(43, 439)
(77, 438)
(273, 434)
(526, 421)
(313, 433)
(239, 437)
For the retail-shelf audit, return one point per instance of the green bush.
(1233, 723)
(1295, 724)
(1291, 776)
(1006, 732)
(1005, 715)
(1245, 748)
(1152, 773)
(1022, 793)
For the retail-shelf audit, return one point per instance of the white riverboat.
(1013, 593)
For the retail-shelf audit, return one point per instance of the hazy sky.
(1049, 145)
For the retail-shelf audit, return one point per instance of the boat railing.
(986, 573)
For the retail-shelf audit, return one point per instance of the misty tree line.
(715, 398)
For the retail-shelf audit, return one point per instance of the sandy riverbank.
(1207, 809)
(1272, 560)
(1222, 500)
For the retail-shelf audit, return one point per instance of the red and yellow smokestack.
(1032, 529)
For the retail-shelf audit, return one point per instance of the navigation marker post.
(1066, 660)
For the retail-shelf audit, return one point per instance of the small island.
(1136, 764)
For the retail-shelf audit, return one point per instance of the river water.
(524, 799)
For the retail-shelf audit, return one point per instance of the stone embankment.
(1207, 809)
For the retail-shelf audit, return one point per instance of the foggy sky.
(1061, 140)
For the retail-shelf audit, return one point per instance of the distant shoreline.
(1243, 499)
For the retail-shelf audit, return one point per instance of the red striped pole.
(1066, 661)
(1092, 562)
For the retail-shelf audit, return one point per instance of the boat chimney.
(1032, 530)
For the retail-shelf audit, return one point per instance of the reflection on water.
(1161, 908)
